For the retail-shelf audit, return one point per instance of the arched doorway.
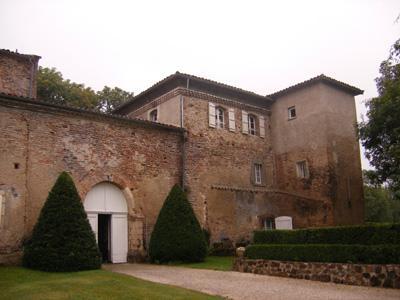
(107, 211)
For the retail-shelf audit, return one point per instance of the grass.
(20, 283)
(220, 263)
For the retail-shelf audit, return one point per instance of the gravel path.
(235, 285)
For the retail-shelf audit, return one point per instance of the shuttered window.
(211, 114)
(232, 126)
(252, 124)
(245, 122)
(302, 169)
(219, 117)
(153, 115)
(257, 173)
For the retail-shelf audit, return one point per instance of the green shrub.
(177, 235)
(207, 236)
(223, 248)
(377, 254)
(373, 234)
(62, 239)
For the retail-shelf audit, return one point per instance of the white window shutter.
(283, 222)
(262, 127)
(232, 126)
(211, 114)
(245, 122)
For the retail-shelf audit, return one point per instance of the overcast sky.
(261, 46)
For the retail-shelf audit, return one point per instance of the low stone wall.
(353, 274)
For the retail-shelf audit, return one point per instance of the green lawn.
(20, 283)
(221, 263)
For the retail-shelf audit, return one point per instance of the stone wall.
(39, 141)
(18, 74)
(322, 134)
(218, 174)
(218, 171)
(353, 274)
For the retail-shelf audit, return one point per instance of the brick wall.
(18, 74)
(38, 142)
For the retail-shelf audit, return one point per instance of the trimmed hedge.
(177, 235)
(375, 234)
(377, 254)
(62, 240)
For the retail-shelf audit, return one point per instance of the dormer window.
(292, 112)
(252, 124)
(153, 116)
(219, 117)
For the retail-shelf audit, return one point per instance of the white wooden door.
(119, 238)
(93, 220)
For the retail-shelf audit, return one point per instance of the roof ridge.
(322, 77)
(189, 76)
(220, 83)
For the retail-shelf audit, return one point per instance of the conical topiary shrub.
(62, 239)
(177, 235)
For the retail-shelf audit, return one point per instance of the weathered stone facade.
(345, 273)
(215, 165)
(40, 141)
(18, 73)
(218, 162)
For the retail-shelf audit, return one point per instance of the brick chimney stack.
(18, 74)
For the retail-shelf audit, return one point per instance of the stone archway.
(107, 211)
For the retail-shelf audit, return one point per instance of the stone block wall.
(344, 273)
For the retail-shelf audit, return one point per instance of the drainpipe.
(183, 182)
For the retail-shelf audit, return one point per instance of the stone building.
(244, 159)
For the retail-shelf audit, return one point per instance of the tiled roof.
(220, 84)
(19, 55)
(194, 83)
(321, 78)
(22, 101)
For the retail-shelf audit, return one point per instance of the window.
(153, 116)
(269, 223)
(252, 124)
(219, 117)
(302, 169)
(257, 173)
(292, 112)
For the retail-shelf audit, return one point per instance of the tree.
(53, 88)
(177, 235)
(62, 239)
(380, 134)
(380, 203)
(109, 99)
